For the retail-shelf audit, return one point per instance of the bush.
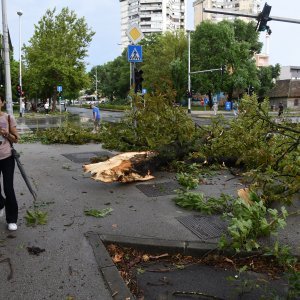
(68, 133)
(154, 125)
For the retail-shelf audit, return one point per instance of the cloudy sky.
(103, 16)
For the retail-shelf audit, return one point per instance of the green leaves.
(36, 217)
(198, 202)
(248, 222)
(189, 181)
(98, 213)
(68, 133)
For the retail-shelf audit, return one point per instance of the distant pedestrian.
(96, 118)
(235, 108)
(280, 111)
(22, 108)
(46, 106)
(215, 108)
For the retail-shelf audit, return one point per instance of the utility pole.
(96, 84)
(8, 94)
(20, 13)
(189, 71)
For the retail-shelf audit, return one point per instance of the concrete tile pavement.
(68, 266)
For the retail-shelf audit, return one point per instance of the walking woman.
(8, 135)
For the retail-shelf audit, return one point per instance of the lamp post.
(96, 85)
(20, 13)
(189, 70)
(96, 82)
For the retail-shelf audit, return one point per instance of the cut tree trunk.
(125, 167)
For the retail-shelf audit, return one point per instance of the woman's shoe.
(12, 226)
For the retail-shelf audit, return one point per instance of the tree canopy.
(232, 44)
(165, 63)
(55, 55)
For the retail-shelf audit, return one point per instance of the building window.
(296, 102)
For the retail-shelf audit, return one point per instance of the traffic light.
(59, 96)
(138, 79)
(19, 91)
(263, 19)
(223, 69)
(251, 90)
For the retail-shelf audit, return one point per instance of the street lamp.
(96, 79)
(189, 70)
(20, 13)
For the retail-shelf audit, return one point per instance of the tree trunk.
(125, 167)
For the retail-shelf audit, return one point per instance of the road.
(108, 116)
(201, 118)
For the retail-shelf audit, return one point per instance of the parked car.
(103, 101)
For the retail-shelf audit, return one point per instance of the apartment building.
(246, 6)
(152, 16)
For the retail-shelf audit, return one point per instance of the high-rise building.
(152, 16)
(245, 6)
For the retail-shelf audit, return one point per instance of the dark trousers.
(7, 168)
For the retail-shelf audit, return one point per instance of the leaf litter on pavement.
(133, 263)
(98, 213)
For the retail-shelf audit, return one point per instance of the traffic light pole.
(248, 15)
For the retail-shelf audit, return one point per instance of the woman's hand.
(3, 131)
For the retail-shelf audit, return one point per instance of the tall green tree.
(113, 78)
(165, 63)
(267, 77)
(232, 44)
(55, 55)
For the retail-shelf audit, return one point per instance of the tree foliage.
(268, 151)
(154, 125)
(55, 55)
(113, 78)
(232, 44)
(165, 63)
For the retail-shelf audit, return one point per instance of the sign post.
(134, 54)
(59, 90)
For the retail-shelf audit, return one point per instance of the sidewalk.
(69, 265)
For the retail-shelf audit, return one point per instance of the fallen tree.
(125, 167)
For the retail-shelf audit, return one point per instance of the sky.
(103, 16)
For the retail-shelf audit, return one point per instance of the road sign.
(59, 88)
(135, 53)
(134, 33)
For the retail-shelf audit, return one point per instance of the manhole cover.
(159, 189)
(85, 157)
(205, 227)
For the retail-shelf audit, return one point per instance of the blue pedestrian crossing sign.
(135, 53)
